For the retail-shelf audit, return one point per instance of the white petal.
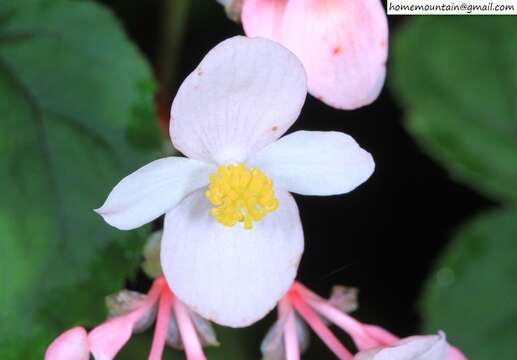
(230, 275)
(242, 96)
(433, 347)
(315, 163)
(152, 190)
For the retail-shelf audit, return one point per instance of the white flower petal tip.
(344, 50)
(152, 190)
(72, 344)
(230, 275)
(316, 163)
(430, 347)
(235, 102)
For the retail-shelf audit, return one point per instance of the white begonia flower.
(226, 118)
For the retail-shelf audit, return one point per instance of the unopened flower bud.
(151, 264)
(344, 298)
(126, 301)
(233, 8)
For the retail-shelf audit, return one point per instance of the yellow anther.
(240, 195)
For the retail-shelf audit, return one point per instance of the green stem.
(175, 15)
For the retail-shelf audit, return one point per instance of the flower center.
(240, 195)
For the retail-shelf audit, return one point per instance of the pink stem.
(320, 328)
(189, 338)
(155, 291)
(152, 297)
(354, 328)
(292, 346)
(162, 325)
(286, 319)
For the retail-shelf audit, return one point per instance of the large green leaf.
(457, 77)
(473, 290)
(76, 115)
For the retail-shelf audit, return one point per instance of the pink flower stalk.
(286, 340)
(175, 325)
(343, 44)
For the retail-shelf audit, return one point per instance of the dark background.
(383, 237)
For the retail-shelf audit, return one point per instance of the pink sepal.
(71, 344)
(106, 340)
(263, 18)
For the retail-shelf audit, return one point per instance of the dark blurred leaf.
(471, 295)
(457, 77)
(74, 93)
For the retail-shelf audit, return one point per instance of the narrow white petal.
(152, 190)
(315, 163)
(230, 275)
(244, 94)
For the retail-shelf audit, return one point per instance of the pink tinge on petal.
(291, 341)
(162, 324)
(72, 344)
(319, 327)
(263, 18)
(343, 45)
(455, 354)
(106, 340)
(188, 334)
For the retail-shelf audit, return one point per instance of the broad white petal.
(315, 163)
(243, 95)
(230, 275)
(152, 190)
(343, 45)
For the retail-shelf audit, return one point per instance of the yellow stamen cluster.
(240, 195)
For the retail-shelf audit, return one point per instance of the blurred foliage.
(76, 99)
(233, 347)
(472, 294)
(457, 78)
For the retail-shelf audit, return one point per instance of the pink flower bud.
(72, 344)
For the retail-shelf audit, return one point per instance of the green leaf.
(471, 295)
(457, 80)
(74, 93)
